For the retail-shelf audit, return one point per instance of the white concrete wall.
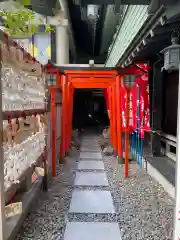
(62, 45)
(64, 7)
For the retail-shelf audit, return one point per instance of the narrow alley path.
(90, 200)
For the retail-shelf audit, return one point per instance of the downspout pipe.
(64, 7)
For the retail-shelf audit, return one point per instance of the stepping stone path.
(90, 165)
(91, 155)
(79, 205)
(90, 174)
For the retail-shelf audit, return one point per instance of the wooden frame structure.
(70, 78)
(16, 58)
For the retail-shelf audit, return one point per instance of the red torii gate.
(69, 78)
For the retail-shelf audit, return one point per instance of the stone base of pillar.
(115, 153)
(62, 160)
(120, 160)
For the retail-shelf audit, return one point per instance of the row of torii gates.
(69, 78)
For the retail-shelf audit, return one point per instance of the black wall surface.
(170, 103)
(163, 90)
(84, 106)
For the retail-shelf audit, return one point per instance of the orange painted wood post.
(72, 109)
(115, 108)
(112, 132)
(71, 113)
(114, 116)
(53, 136)
(59, 87)
(127, 135)
(62, 120)
(63, 128)
(66, 117)
(68, 113)
(110, 113)
(119, 119)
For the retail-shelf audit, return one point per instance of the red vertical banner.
(123, 107)
(144, 97)
(130, 112)
(144, 89)
(142, 83)
(147, 110)
(134, 106)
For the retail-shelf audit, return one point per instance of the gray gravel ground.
(143, 209)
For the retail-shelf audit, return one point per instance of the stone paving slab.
(90, 145)
(91, 179)
(92, 231)
(90, 155)
(87, 201)
(90, 165)
(90, 141)
(90, 149)
(89, 138)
